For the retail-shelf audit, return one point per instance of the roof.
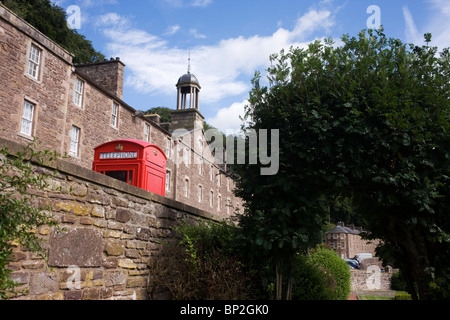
(341, 229)
(188, 79)
(140, 143)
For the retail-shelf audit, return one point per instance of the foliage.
(51, 20)
(311, 281)
(19, 215)
(337, 267)
(201, 265)
(368, 121)
(401, 295)
(164, 112)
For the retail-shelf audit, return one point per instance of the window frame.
(78, 95)
(115, 115)
(33, 65)
(30, 121)
(75, 141)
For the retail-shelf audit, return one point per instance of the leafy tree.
(19, 216)
(367, 121)
(51, 20)
(163, 112)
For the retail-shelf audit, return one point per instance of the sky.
(228, 41)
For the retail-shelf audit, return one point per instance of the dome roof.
(188, 79)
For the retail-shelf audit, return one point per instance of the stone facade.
(347, 241)
(109, 231)
(87, 100)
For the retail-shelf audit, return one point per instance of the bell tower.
(187, 116)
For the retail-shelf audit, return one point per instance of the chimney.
(107, 74)
(153, 117)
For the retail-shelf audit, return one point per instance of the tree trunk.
(283, 269)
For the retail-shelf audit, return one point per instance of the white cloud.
(195, 34)
(223, 69)
(172, 30)
(411, 32)
(229, 118)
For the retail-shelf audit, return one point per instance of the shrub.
(200, 265)
(335, 266)
(311, 282)
(402, 295)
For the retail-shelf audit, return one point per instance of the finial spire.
(189, 62)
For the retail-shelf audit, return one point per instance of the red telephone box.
(135, 162)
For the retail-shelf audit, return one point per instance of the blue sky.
(229, 40)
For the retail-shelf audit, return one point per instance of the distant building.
(347, 242)
(74, 108)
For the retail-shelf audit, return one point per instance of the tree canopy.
(367, 121)
(51, 20)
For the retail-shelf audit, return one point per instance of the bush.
(200, 265)
(402, 295)
(311, 282)
(333, 265)
(398, 282)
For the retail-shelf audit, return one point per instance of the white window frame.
(74, 141)
(115, 115)
(147, 132)
(186, 187)
(26, 124)
(168, 174)
(34, 61)
(219, 201)
(169, 148)
(78, 95)
(212, 173)
(200, 193)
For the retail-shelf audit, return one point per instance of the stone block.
(114, 248)
(80, 247)
(123, 215)
(42, 283)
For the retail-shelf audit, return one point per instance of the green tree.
(19, 215)
(367, 121)
(51, 20)
(163, 112)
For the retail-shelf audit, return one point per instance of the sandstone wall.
(111, 230)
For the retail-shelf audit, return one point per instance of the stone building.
(74, 108)
(347, 242)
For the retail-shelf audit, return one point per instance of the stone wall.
(110, 232)
(370, 279)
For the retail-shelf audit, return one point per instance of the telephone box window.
(124, 176)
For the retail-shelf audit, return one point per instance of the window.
(342, 236)
(34, 60)
(167, 180)
(186, 188)
(26, 126)
(200, 166)
(74, 141)
(115, 114)
(200, 191)
(342, 245)
(228, 184)
(147, 132)
(78, 96)
(228, 206)
(212, 173)
(168, 148)
(211, 199)
(219, 201)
